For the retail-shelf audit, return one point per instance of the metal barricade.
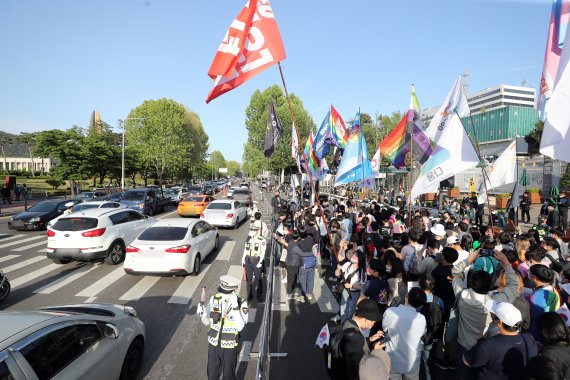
(262, 371)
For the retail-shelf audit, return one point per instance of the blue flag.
(324, 138)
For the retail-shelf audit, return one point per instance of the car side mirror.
(110, 331)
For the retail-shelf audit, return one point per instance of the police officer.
(226, 315)
(256, 221)
(69, 208)
(252, 260)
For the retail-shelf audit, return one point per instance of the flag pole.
(483, 171)
(410, 178)
(307, 161)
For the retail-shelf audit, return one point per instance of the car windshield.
(241, 192)
(43, 207)
(134, 196)
(75, 224)
(220, 206)
(165, 233)
(194, 199)
(86, 195)
(194, 189)
(84, 206)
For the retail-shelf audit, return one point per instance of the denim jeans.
(426, 362)
(307, 280)
(277, 252)
(348, 304)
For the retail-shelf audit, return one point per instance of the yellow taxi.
(194, 204)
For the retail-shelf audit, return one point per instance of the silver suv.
(84, 341)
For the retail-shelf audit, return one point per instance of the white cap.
(452, 240)
(506, 312)
(69, 204)
(438, 230)
(228, 283)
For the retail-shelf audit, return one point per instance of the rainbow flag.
(314, 164)
(394, 146)
(338, 128)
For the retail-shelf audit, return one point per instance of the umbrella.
(524, 179)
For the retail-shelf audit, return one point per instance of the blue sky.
(62, 59)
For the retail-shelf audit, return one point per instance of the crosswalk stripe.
(23, 264)
(183, 294)
(33, 275)
(19, 249)
(139, 290)
(226, 250)
(8, 237)
(9, 257)
(106, 281)
(65, 280)
(42, 250)
(22, 241)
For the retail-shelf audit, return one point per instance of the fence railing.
(262, 371)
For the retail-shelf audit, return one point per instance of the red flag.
(252, 44)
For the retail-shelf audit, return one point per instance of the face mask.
(388, 269)
(366, 332)
(354, 259)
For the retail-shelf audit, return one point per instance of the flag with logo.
(453, 154)
(251, 44)
(274, 131)
(555, 141)
(455, 102)
(375, 163)
(295, 147)
(555, 41)
(420, 143)
(324, 138)
(355, 165)
(339, 128)
(502, 172)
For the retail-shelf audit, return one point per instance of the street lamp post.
(123, 150)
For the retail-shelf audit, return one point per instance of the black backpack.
(332, 353)
(434, 320)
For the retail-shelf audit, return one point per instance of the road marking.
(65, 280)
(35, 274)
(237, 272)
(106, 281)
(245, 351)
(19, 249)
(23, 264)
(139, 290)
(251, 315)
(226, 251)
(90, 300)
(280, 301)
(42, 250)
(183, 294)
(22, 241)
(9, 257)
(166, 214)
(10, 237)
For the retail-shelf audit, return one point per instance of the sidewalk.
(16, 207)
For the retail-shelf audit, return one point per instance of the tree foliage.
(233, 167)
(533, 138)
(217, 159)
(29, 139)
(256, 114)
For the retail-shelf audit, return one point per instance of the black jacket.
(553, 219)
(353, 347)
(559, 353)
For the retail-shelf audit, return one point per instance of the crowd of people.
(425, 297)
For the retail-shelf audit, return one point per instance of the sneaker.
(300, 299)
(291, 296)
(310, 297)
(332, 278)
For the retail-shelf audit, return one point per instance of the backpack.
(333, 353)
(309, 262)
(434, 320)
(489, 267)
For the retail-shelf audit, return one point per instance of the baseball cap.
(368, 309)
(228, 284)
(438, 229)
(506, 312)
(452, 240)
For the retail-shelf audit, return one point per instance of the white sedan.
(225, 213)
(172, 246)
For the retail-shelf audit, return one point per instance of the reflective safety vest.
(255, 246)
(223, 331)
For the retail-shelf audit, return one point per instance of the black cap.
(368, 309)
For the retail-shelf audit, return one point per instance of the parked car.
(172, 195)
(116, 197)
(194, 204)
(243, 196)
(209, 190)
(85, 341)
(88, 205)
(95, 234)
(224, 213)
(146, 200)
(195, 190)
(172, 246)
(89, 196)
(38, 216)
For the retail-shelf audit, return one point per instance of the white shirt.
(463, 255)
(405, 327)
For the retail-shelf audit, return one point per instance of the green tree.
(164, 138)
(54, 182)
(103, 147)
(533, 138)
(217, 159)
(256, 115)
(201, 145)
(4, 141)
(233, 167)
(565, 180)
(29, 139)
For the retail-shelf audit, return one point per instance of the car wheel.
(116, 253)
(133, 360)
(217, 245)
(236, 226)
(4, 290)
(57, 261)
(197, 264)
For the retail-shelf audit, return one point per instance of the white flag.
(456, 102)
(503, 171)
(323, 337)
(295, 146)
(375, 163)
(555, 141)
(453, 154)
